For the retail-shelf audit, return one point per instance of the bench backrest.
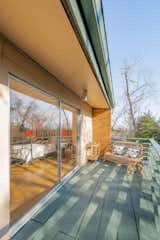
(129, 145)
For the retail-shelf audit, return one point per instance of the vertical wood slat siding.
(102, 128)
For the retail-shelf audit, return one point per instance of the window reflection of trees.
(32, 122)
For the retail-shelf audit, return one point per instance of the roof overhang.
(87, 17)
(43, 31)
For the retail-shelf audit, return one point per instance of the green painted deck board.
(101, 202)
(27, 230)
(63, 236)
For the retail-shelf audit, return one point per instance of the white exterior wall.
(86, 136)
(4, 147)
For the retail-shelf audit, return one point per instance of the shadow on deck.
(101, 202)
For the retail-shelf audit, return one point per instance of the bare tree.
(21, 111)
(135, 89)
(65, 120)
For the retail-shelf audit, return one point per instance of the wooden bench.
(133, 163)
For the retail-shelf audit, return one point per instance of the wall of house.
(14, 61)
(4, 147)
(102, 128)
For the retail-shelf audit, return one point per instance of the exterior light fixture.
(84, 95)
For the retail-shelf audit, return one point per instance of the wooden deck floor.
(101, 202)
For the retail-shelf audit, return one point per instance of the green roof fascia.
(83, 15)
(93, 13)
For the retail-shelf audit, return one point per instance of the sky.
(133, 33)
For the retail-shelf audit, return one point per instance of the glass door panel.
(34, 140)
(69, 143)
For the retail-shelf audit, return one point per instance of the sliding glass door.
(43, 145)
(69, 143)
(34, 140)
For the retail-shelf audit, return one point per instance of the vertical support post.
(74, 146)
(59, 146)
(74, 126)
(31, 148)
(78, 137)
(4, 146)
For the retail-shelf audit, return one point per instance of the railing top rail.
(131, 138)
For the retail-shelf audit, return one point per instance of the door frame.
(61, 181)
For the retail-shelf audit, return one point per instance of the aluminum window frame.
(60, 181)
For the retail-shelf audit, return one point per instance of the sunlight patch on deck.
(112, 228)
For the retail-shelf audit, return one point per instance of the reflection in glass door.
(34, 140)
(69, 143)
(36, 164)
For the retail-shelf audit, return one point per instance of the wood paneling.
(102, 128)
